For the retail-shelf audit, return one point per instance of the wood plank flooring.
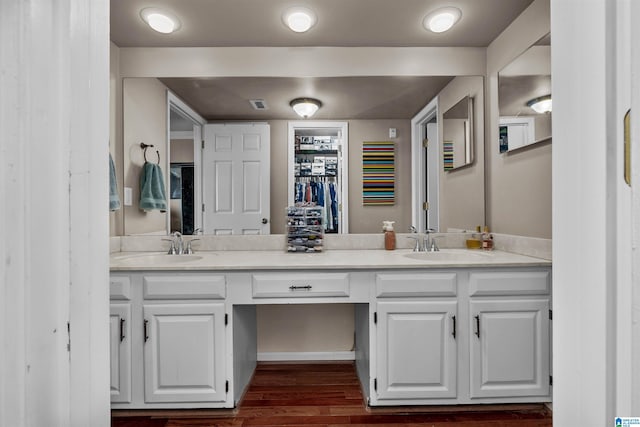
(328, 395)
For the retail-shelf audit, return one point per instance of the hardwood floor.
(328, 395)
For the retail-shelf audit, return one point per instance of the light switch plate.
(392, 132)
(128, 196)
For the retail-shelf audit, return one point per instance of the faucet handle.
(189, 250)
(412, 229)
(172, 248)
(434, 247)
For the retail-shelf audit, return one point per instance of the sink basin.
(157, 259)
(450, 255)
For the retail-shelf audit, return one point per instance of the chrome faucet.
(430, 242)
(178, 243)
(419, 246)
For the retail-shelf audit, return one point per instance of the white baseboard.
(305, 356)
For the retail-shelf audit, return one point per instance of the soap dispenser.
(389, 235)
(487, 239)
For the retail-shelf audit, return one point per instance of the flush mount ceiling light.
(440, 20)
(305, 107)
(541, 104)
(160, 20)
(299, 19)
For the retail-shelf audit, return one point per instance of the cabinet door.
(509, 348)
(417, 350)
(184, 353)
(120, 345)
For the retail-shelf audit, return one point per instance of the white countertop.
(328, 260)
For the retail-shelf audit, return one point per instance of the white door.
(509, 348)
(417, 350)
(236, 178)
(120, 345)
(184, 353)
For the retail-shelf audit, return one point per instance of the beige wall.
(462, 190)
(181, 151)
(518, 198)
(305, 328)
(368, 219)
(145, 120)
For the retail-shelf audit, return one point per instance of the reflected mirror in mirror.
(524, 98)
(457, 135)
(184, 131)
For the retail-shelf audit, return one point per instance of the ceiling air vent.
(258, 104)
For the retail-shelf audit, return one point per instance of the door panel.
(509, 348)
(184, 353)
(417, 352)
(120, 345)
(236, 178)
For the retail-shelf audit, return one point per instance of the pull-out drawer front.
(120, 288)
(185, 287)
(510, 283)
(398, 285)
(300, 285)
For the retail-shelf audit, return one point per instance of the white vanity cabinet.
(424, 334)
(461, 336)
(415, 321)
(509, 348)
(175, 330)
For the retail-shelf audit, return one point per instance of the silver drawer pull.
(300, 288)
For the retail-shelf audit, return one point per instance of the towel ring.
(144, 147)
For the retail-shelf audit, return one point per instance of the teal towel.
(114, 199)
(152, 195)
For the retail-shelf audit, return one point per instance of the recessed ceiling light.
(441, 20)
(299, 19)
(159, 20)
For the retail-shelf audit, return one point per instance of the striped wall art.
(378, 173)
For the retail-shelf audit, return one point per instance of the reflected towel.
(114, 199)
(152, 194)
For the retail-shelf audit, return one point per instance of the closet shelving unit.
(317, 172)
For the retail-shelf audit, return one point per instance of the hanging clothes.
(334, 205)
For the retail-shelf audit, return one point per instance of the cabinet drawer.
(120, 288)
(184, 287)
(300, 285)
(390, 285)
(510, 283)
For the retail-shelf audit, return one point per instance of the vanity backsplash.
(530, 246)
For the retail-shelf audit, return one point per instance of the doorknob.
(265, 220)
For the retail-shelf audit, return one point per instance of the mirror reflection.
(524, 98)
(152, 114)
(457, 135)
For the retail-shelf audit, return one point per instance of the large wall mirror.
(524, 98)
(458, 135)
(147, 118)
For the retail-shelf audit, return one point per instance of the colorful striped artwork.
(378, 173)
(447, 155)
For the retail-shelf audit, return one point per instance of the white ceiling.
(216, 23)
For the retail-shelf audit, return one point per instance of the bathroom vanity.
(448, 327)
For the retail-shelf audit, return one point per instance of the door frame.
(419, 166)
(343, 164)
(173, 102)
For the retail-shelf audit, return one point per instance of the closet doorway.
(317, 169)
